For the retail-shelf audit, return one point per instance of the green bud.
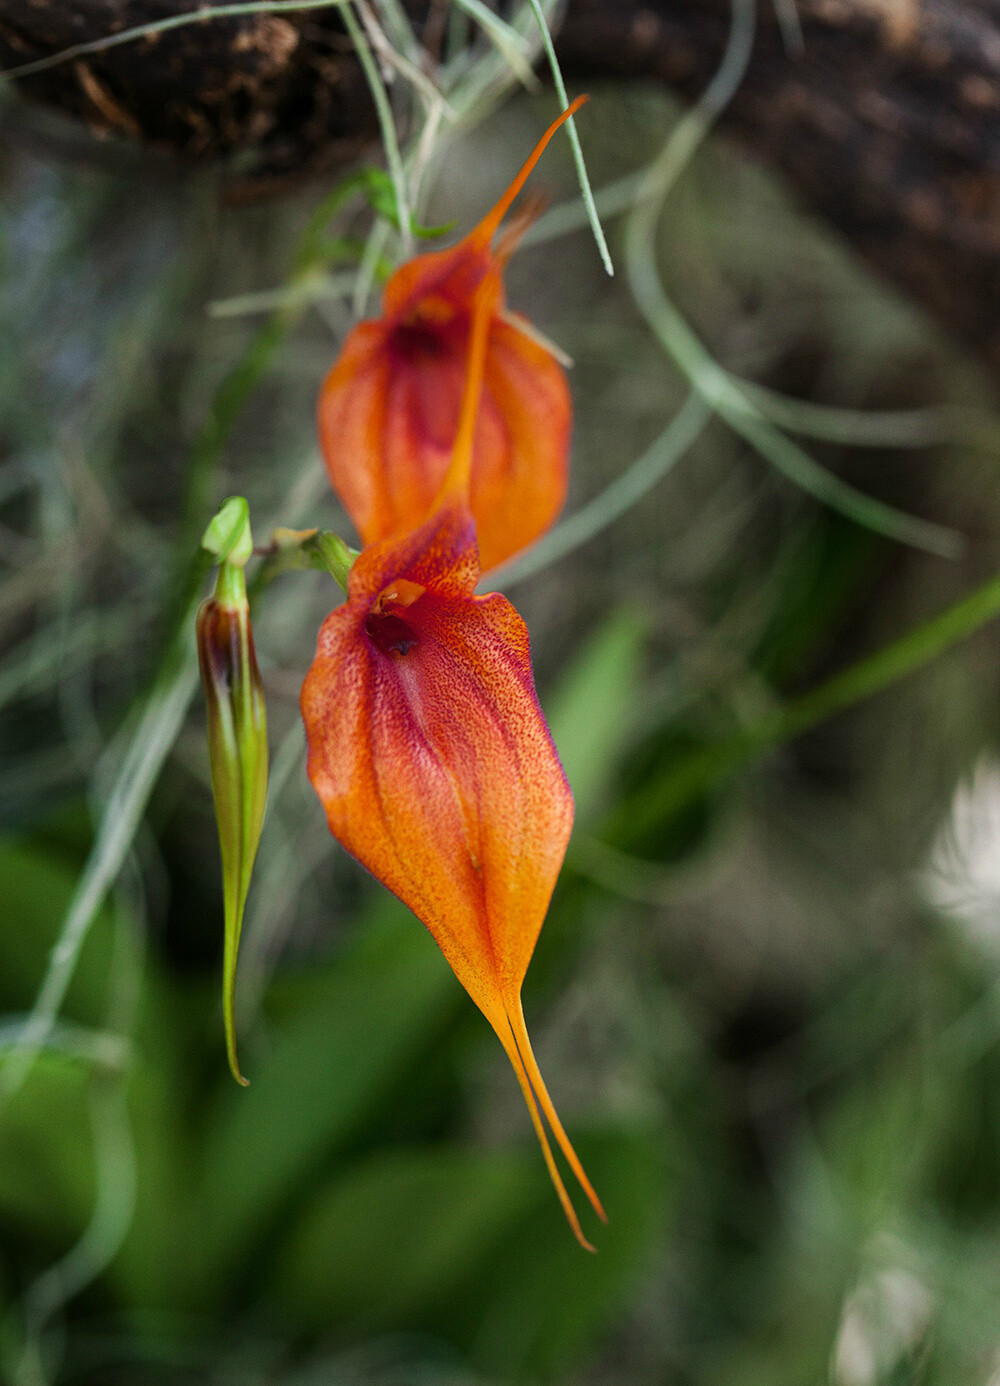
(237, 743)
(329, 552)
(310, 548)
(228, 535)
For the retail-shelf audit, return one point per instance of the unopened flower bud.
(237, 743)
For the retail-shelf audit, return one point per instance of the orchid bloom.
(432, 758)
(388, 409)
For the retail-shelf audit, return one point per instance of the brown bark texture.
(887, 118)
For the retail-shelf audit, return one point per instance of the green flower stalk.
(237, 733)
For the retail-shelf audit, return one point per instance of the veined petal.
(439, 282)
(432, 759)
(352, 414)
(440, 555)
(519, 487)
(388, 415)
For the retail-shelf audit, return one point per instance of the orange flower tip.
(582, 1240)
(573, 1219)
(490, 223)
(514, 1037)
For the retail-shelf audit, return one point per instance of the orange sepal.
(432, 759)
(389, 408)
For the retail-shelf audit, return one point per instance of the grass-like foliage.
(765, 990)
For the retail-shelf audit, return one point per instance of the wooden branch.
(887, 121)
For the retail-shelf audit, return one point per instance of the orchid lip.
(421, 338)
(387, 630)
(390, 633)
(430, 311)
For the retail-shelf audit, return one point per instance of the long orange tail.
(456, 480)
(457, 477)
(518, 1047)
(490, 222)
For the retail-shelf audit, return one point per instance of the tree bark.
(887, 120)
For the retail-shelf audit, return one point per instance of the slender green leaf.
(393, 1242)
(358, 1028)
(590, 710)
(544, 1301)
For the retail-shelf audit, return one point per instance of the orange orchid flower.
(431, 757)
(388, 409)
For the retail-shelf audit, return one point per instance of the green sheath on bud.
(311, 548)
(228, 534)
(237, 733)
(329, 552)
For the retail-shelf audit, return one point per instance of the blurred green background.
(765, 998)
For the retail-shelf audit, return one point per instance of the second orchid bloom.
(389, 407)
